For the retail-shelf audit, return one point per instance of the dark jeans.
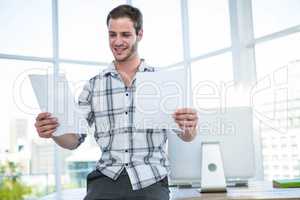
(100, 186)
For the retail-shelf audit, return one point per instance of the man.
(133, 164)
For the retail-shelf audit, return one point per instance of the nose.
(118, 41)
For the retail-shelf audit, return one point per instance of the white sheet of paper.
(63, 107)
(158, 95)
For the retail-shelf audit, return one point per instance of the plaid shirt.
(109, 107)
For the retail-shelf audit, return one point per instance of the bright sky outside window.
(78, 75)
(26, 27)
(162, 42)
(209, 26)
(274, 54)
(209, 79)
(83, 30)
(274, 15)
(19, 101)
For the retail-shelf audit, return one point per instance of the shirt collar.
(111, 69)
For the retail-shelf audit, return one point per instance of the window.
(274, 15)
(277, 67)
(26, 27)
(83, 30)
(162, 42)
(26, 34)
(275, 54)
(209, 26)
(208, 86)
(18, 136)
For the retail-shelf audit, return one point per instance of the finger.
(47, 134)
(186, 117)
(43, 115)
(44, 122)
(186, 124)
(47, 128)
(189, 132)
(188, 129)
(185, 111)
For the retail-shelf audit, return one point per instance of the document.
(158, 95)
(61, 103)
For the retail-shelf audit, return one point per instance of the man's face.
(123, 40)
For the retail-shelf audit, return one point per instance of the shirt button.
(126, 150)
(126, 113)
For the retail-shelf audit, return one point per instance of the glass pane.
(274, 54)
(280, 152)
(274, 15)
(276, 104)
(209, 81)
(83, 30)
(82, 160)
(19, 141)
(162, 41)
(78, 75)
(209, 26)
(26, 27)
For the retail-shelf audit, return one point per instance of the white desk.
(256, 190)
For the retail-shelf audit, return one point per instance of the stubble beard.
(132, 52)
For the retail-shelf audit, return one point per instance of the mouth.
(119, 50)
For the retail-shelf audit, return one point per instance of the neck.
(127, 69)
(128, 66)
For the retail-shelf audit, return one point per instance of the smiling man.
(133, 164)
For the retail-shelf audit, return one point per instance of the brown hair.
(128, 11)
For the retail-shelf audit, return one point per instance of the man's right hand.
(46, 125)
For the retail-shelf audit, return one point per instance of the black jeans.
(102, 187)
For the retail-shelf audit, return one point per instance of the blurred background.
(237, 53)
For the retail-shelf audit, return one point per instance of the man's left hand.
(187, 120)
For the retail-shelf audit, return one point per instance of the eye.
(126, 34)
(112, 34)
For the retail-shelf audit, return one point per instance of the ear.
(140, 35)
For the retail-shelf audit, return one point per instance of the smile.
(119, 50)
